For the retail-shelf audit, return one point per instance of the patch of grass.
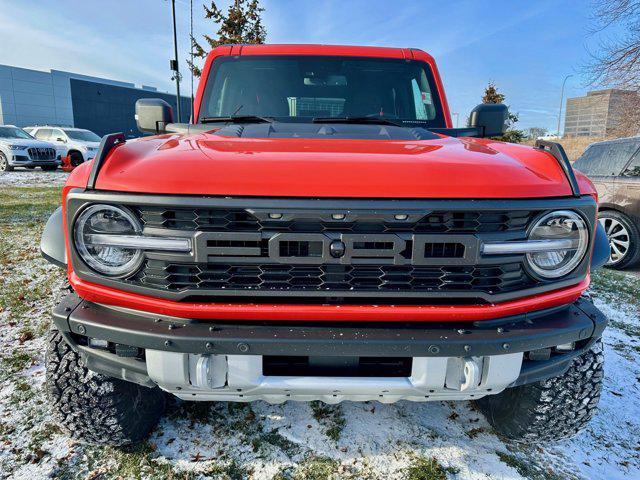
(315, 468)
(13, 363)
(631, 330)
(616, 286)
(22, 393)
(230, 471)
(329, 416)
(528, 469)
(28, 205)
(138, 462)
(274, 438)
(474, 432)
(41, 436)
(19, 296)
(423, 468)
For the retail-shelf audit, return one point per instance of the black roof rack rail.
(560, 155)
(106, 145)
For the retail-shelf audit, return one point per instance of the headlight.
(96, 222)
(568, 237)
(16, 147)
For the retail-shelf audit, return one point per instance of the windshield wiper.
(356, 120)
(237, 119)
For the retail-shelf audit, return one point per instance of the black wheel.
(49, 168)
(4, 164)
(552, 409)
(624, 239)
(95, 408)
(75, 158)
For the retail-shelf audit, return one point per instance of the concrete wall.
(597, 114)
(106, 109)
(33, 97)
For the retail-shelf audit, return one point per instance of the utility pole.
(174, 62)
(561, 99)
(191, 42)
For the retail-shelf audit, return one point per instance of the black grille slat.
(237, 219)
(489, 279)
(392, 255)
(42, 153)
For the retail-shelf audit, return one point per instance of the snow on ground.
(32, 178)
(298, 440)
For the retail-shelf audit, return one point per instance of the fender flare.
(52, 244)
(601, 248)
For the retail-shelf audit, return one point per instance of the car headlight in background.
(109, 239)
(16, 147)
(567, 235)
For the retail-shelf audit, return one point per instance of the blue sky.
(525, 47)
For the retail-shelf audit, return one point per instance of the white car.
(80, 144)
(549, 137)
(19, 149)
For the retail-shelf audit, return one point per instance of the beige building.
(597, 114)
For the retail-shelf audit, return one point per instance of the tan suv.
(614, 167)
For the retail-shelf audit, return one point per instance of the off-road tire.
(4, 164)
(552, 409)
(632, 256)
(49, 168)
(94, 408)
(75, 158)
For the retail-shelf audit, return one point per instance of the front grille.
(333, 251)
(229, 220)
(491, 279)
(39, 153)
(258, 253)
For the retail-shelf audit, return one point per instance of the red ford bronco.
(319, 231)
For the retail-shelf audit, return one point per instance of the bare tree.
(535, 132)
(618, 61)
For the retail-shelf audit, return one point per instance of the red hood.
(208, 164)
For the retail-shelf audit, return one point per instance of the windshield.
(14, 132)
(83, 135)
(301, 88)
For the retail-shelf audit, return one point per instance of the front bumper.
(23, 160)
(210, 360)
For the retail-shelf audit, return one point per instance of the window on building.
(606, 159)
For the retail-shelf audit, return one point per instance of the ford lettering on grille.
(335, 248)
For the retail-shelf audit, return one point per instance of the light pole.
(174, 62)
(457, 118)
(561, 99)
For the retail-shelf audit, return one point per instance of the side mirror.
(490, 119)
(59, 139)
(153, 115)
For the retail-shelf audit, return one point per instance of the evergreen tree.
(240, 24)
(491, 95)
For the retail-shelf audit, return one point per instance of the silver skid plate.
(240, 378)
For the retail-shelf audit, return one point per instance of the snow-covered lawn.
(32, 178)
(294, 440)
